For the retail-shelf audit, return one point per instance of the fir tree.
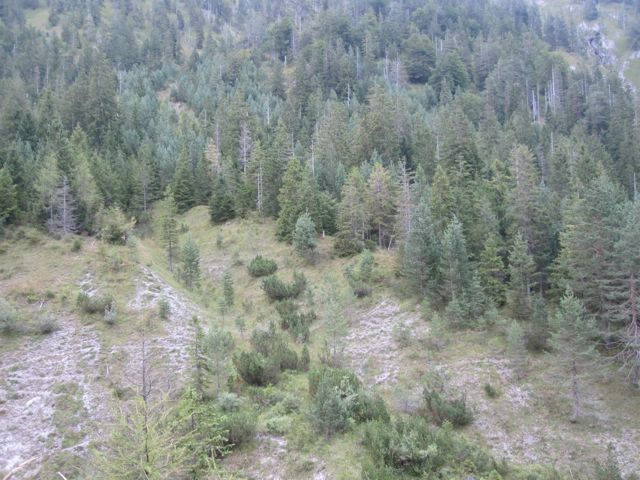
(183, 186)
(296, 196)
(492, 270)
(572, 339)
(190, 259)
(381, 203)
(169, 233)
(521, 268)
(8, 197)
(304, 235)
(455, 269)
(221, 206)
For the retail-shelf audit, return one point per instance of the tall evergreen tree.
(521, 269)
(8, 197)
(381, 203)
(297, 196)
(190, 260)
(455, 269)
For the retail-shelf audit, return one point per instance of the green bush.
(261, 267)
(330, 408)
(273, 345)
(360, 274)
(93, 304)
(279, 425)
(276, 289)
(335, 376)
(240, 427)
(164, 309)
(410, 446)
(114, 226)
(441, 409)
(347, 246)
(490, 390)
(295, 322)
(76, 246)
(8, 318)
(368, 407)
(254, 369)
(111, 314)
(46, 324)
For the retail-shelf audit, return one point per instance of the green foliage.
(276, 289)
(8, 197)
(221, 206)
(254, 369)
(295, 322)
(304, 235)
(490, 390)
(111, 314)
(46, 323)
(92, 304)
(8, 318)
(190, 264)
(443, 406)
(240, 426)
(260, 267)
(164, 309)
(227, 288)
(412, 447)
(114, 226)
(360, 275)
(516, 348)
(295, 198)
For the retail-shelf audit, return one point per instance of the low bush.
(276, 289)
(490, 390)
(46, 324)
(261, 267)
(360, 274)
(111, 315)
(441, 409)
(295, 322)
(93, 304)
(164, 309)
(410, 446)
(240, 426)
(76, 245)
(347, 246)
(254, 369)
(279, 425)
(8, 318)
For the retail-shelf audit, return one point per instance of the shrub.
(368, 407)
(164, 308)
(441, 409)
(254, 369)
(347, 246)
(240, 426)
(111, 314)
(229, 402)
(114, 227)
(330, 408)
(46, 324)
(412, 447)
(305, 360)
(276, 289)
(295, 322)
(261, 267)
(76, 246)
(8, 318)
(490, 390)
(360, 275)
(335, 376)
(279, 425)
(93, 304)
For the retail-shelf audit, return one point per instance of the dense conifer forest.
(328, 239)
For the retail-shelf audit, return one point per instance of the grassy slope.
(527, 422)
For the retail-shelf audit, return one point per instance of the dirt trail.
(371, 348)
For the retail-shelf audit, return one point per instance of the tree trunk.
(575, 393)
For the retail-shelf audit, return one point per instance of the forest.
(328, 239)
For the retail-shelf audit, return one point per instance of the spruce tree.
(8, 197)
(227, 288)
(521, 268)
(381, 203)
(190, 259)
(421, 256)
(304, 235)
(221, 206)
(353, 219)
(455, 269)
(572, 339)
(296, 196)
(183, 186)
(441, 200)
(169, 231)
(492, 270)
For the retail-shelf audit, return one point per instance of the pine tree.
(521, 268)
(591, 223)
(421, 256)
(572, 339)
(183, 185)
(227, 288)
(517, 349)
(441, 200)
(8, 197)
(492, 270)
(221, 206)
(381, 203)
(622, 294)
(353, 219)
(219, 345)
(455, 269)
(169, 233)
(304, 235)
(200, 359)
(296, 197)
(257, 170)
(190, 258)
